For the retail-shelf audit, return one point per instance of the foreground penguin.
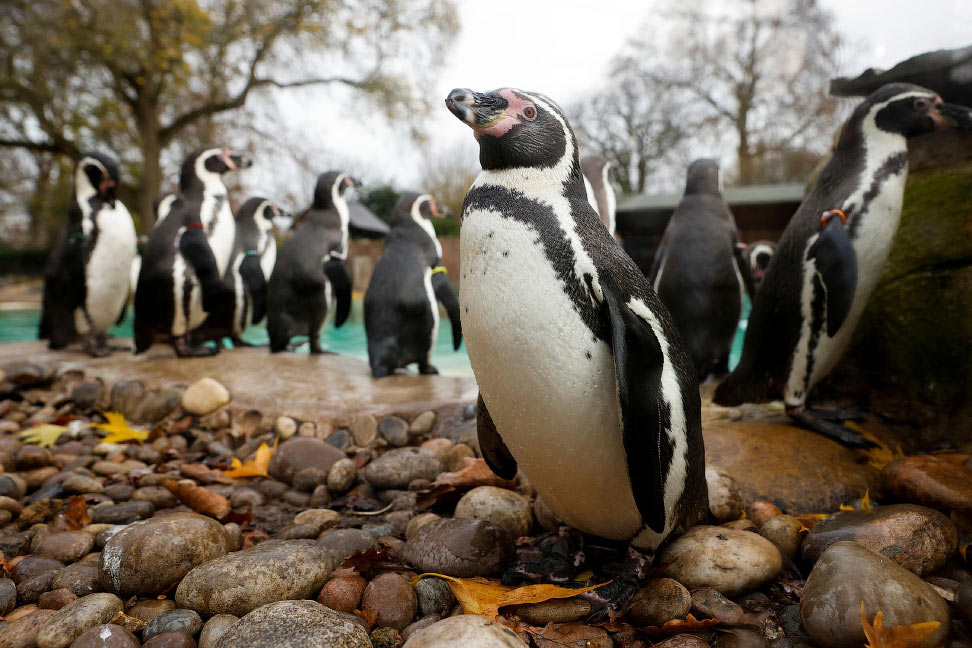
(600, 191)
(699, 272)
(584, 382)
(830, 256)
(186, 256)
(254, 255)
(86, 283)
(312, 267)
(401, 314)
(758, 256)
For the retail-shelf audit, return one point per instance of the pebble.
(725, 499)
(459, 547)
(394, 430)
(107, 468)
(422, 424)
(919, 539)
(682, 641)
(553, 611)
(148, 610)
(121, 513)
(87, 394)
(10, 488)
(80, 578)
(126, 396)
(728, 560)
(321, 518)
(786, 532)
(147, 557)
(70, 621)
(660, 601)
(160, 496)
(242, 497)
(285, 427)
(32, 566)
(215, 628)
(928, 480)
(739, 638)
(342, 476)
(417, 522)
(302, 452)
(185, 621)
(119, 492)
(963, 600)
(22, 632)
(364, 430)
(67, 546)
(55, 599)
(242, 581)
(498, 505)
(309, 478)
(397, 467)
(418, 625)
(466, 630)
(158, 404)
(204, 396)
(295, 624)
(106, 635)
(8, 596)
(28, 591)
(710, 604)
(320, 497)
(391, 599)
(82, 484)
(343, 593)
(170, 640)
(847, 574)
(342, 543)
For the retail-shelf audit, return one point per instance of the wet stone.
(707, 603)
(422, 424)
(342, 543)
(394, 430)
(121, 513)
(320, 518)
(159, 496)
(55, 599)
(553, 611)
(459, 547)
(126, 397)
(434, 596)
(295, 624)
(107, 635)
(22, 632)
(148, 610)
(397, 467)
(8, 596)
(364, 430)
(170, 640)
(342, 476)
(67, 546)
(660, 601)
(728, 560)
(32, 566)
(13, 544)
(185, 621)
(498, 505)
(215, 628)
(391, 599)
(466, 630)
(204, 396)
(343, 593)
(299, 453)
(80, 578)
(786, 532)
(930, 481)
(70, 621)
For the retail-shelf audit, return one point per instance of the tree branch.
(40, 147)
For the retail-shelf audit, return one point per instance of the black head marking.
(101, 171)
(702, 177)
(328, 184)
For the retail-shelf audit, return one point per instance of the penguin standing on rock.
(187, 254)
(830, 256)
(401, 314)
(584, 383)
(312, 267)
(86, 283)
(699, 272)
(600, 191)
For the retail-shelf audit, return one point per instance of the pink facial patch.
(511, 115)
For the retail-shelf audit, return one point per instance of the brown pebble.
(682, 641)
(761, 512)
(343, 593)
(148, 610)
(553, 611)
(391, 598)
(55, 599)
(170, 640)
(108, 635)
(659, 602)
(742, 525)
(709, 604)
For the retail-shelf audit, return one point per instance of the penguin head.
(516, 129)
(208, 164)
(905, 109)
(260, 211)
(702, 177)
(97, 174)
(413, 206)
(332, 188)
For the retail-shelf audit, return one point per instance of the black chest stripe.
(891, 167)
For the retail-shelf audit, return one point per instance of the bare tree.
(447, 175)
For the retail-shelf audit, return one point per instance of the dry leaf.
(367, 615)
(130, 623)
(676, 626)
(446, 486)
(485, 597)
(199, 499)
(76, 512)
(569, 635)
(118, 431)
(44, 436)
(255, 467)
(865, 503)
(203, 474)
(903, 636)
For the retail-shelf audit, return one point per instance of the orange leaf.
(445, 487)
(902, 636)
(676, 626)
(485, 597)
(76, 512)
(255, 467)
(199, 499)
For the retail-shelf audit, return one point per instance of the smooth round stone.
(119, 492)
(422, 424)
(106, 635)
(424, 622)
(847, 574)
(204, 396)
(295, 624)
(242, 497)
(418, 522)
(22, 631)
(342, 476)
(121, 513)
(82, 484)
(660, 601)
(320, 497)
(929, 480)
(725, 499)
(739, 638)
(682, 641)
(242, 581)
(161, 497)
(343, 593)
(28, 591)
(963, 600)
(466, 630)
(55, 599)
(364, 430)
(67, 546)
(299, 453)
(710, 604)
(80, 578)
(342, 543)
(545, 516)
(126, 396)
(215, 628)
(185, 621)
(285, 427)
(170, 640)
(391, 599)
(786, 532)
(434, 596)
(309, 478)
(320, 518)
(919, 539)
(32, 566)
(148, 610)
(296, 498)
(728, 560)
(8, 596)
(553, 611)
(73, 619)
(459, 547)
(147, 557)
(107, 468)
(399, 466)
(499, 506)
(297, 532)
(394, 430)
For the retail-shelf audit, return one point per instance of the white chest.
(215, 214)
(108, 272)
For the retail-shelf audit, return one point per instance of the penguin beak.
(107, 189)
(479, 110)
(952, 115)
(236, 161)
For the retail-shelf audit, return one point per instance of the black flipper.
(447, 297)
(256, 283)
(498, 457)
(638, 360)
(337, 274)
(836, 263)
(194, 246)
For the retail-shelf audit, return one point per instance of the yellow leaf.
(866, 500)
(43, 436)
(118, 431)
(255, 467)
(903, 636)
(485, 597)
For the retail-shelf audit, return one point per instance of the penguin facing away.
(829, 258)
(758, 256)
(600, 191)
(401, 314)
(311, 268)
(698, 272)
(86, 282)
(186, 256)
(584, 382)
(254, 255)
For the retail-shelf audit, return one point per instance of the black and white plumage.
(600, 191)
(820, 279)
(86, 282)
(699, 272)
(187, 255)
(758, 255)
(583, 381)
(311, 268)
(401, 309)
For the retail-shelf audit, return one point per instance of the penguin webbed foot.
(97, 347)
(819, 421)
(428, 370)
(184, 349)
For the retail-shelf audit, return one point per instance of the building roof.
(644, 204)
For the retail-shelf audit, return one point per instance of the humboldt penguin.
(86, 282)
(829, 258)
(699, 272)
(584, 382)
(186, 256)
(758, 256)
(401, 314)
(312, 267)
(254, 255)
(600, 191)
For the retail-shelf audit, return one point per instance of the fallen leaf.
(76, 512)
(902, 636)
(243, 519)
(485, 597)
(118, 431)
(964, 551)
(44, 436)
(808, 520)
(676, 626)
(203, 474)
(130, 623)
(367, 615)
(255, 467)
(569, 635)
(865, 503)
(199, 499)
(447, 485)
(253, 537)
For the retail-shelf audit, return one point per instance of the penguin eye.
(921, 104)
(530, 112)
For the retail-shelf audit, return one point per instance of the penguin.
(584, 382)
(600, 191)
(254, 255)
(312, 267)
(829, 258)
(86, 282)
(699, 273)
(187, 255)
(401, 314)
(758, 256)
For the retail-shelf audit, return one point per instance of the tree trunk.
(151, 180)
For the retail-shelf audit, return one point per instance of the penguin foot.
(185, 350)
(841, 414)
(428, 370)
(815, 421)
(97, 348)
